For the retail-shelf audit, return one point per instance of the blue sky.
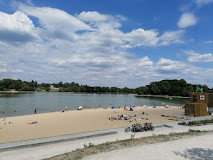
(119, 43)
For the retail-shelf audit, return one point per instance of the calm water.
(22, 104)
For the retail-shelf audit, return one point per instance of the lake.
(24, 104)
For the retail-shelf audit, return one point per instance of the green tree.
(164, 87)
(154, 90)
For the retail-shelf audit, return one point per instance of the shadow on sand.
(197, 154)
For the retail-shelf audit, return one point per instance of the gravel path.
(193, 148)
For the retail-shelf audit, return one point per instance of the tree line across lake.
(164, 87)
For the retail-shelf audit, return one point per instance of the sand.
(68, 122)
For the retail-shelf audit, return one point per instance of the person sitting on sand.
(130, 109)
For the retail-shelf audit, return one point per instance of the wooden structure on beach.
(200, 104)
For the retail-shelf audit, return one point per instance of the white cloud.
(17, 71)
(172, 37)
(101, 30)
(197, 57)
(16, 22)
(170, 69)
(92, 16)
(141, 37)
(89, 48)
(203, 2)
(208, 42)
(101, 21)
(16, 27)
(29, 2)
(55, 23)
(145, 62)
(3, 70)
(186, 20)
(54, 19)
(169, 66)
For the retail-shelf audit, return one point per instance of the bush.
(202, 122)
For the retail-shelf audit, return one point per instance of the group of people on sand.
(125, 107)
(129, 118)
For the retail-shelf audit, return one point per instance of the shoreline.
(70, 110)
(132, 94)
(53, 91)
(162, 96)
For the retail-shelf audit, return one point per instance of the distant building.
(38, 89)
(53, 88)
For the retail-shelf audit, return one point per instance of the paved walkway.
(191, 148)
(72, 142)
(55, 139)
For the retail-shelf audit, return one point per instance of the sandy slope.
(61, 123)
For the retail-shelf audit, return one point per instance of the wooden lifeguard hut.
(200, 104)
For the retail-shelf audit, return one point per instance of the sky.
(120, 43)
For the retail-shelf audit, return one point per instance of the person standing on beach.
(35, 110)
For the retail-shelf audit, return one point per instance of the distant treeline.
(170, 87)
(18, 85)
(164, 87)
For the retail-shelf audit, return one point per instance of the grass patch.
(201, 122)
(191, 130)
(108, 146)
(77, 157)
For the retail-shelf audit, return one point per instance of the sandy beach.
(68, 122)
